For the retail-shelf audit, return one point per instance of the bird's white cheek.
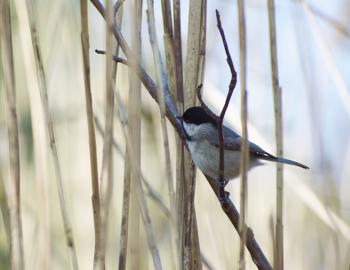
(191, 129)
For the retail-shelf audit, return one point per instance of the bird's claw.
(225, 199)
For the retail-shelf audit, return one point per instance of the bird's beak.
(187, 137)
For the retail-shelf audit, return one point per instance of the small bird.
(202, 138)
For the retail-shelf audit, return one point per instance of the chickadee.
(202, 138)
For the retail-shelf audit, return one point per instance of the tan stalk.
(202, 45)
(40, 139)
(136, 170)
(244, 116)
(277, 98)
(178, 94)
(134, 111)
(186, 188)
(106, 177)
(169, 47)
(95, 198)
(127, 178)
(16, 246)
(161, 88)
(5, 211)
(49, 123)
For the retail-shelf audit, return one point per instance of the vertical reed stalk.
(106, 177)
(277, 98)
(16, 246)
(49, 123)
(189, 248)
(244, 117)
(135, 136)
(40, 139)
(136, 170)
(161, 88)
(91, 130)
(5, 211)
(178, 93)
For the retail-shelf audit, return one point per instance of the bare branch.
(223, 111)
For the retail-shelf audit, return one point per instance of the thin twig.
(277, 98)
(223, 111)
(91, 130)
(117, 6)
(244, 116)
(54, 151)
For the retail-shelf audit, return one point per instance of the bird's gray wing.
(232, 141)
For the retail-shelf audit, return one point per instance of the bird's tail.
(284, 160)
(291, 162)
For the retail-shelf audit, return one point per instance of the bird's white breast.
(206, 158)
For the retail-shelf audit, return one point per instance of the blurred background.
(313, 39)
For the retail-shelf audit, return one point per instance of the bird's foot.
(223, 195)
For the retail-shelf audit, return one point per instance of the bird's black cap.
(197, 115)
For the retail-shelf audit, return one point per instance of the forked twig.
(219, 120)
(232, 86)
